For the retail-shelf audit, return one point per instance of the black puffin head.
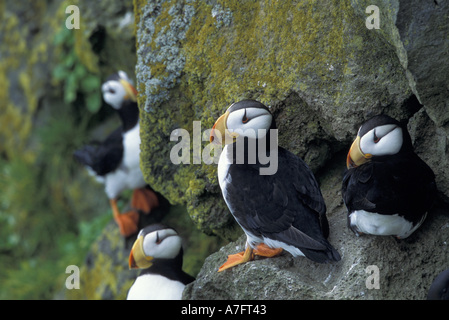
(117, 89)
(242, 119)
(155, 242)
(380, 136)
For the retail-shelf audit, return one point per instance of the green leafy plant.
(73, 74)
(50, 212)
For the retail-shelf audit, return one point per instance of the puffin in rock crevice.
(158, 251)
(116, 161)
(284, 210)
(387, 189)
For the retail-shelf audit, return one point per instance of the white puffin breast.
(224, 163)
(382, 224)
(155, 287)
(131, 148)
(128, 175)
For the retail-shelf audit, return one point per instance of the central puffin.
(284, 210)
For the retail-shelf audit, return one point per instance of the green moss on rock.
(319, 68)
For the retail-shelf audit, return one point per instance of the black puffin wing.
(257, 202)
(104, 157)
(293, 168)
(268, 204)
(308, 190)
(389, 187)
(357, 183)
(407, 187)
(296, 237)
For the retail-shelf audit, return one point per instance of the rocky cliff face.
(50, 95)
(323, 72)
(405, 268)
(319, 67)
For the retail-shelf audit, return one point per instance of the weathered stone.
(109, 26)
(319, 68)
(323, 73)
(424, 30)
(432, 145)
(406, 267)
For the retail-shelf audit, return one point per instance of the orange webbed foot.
(144, 200)
(238, 258)
(261, 250)
(265, 251)
(127, 222)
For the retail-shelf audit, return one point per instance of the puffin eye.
(376, 139)
(158, 240)
(245, 118)
(111, 90)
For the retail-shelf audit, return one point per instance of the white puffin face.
(247, 122)
(113, 93)
(162, 244)
(382, 140)
(117, 90)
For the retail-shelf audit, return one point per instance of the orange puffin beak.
(137, 258)
(220, 133)
(131, 92)
(356, 157)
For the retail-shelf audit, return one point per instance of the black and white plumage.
(439, 290)
(387, 189)
(281, 210)
(116, 161)
(158, 251)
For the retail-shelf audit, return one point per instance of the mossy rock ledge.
(323, 73)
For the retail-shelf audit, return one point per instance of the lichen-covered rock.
(319, 68)
(105, 274)
(46, 69)
(323, 73)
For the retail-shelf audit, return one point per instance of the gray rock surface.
(406, 267)
(323, 73)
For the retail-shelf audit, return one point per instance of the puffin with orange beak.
(116, 161)
(158, 252)
(280, 211)
(387, 189)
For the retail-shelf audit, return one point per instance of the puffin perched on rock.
(116, 161)
(158, 251)
(387, 189)
(281, 209)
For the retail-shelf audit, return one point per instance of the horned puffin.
(439, 290)
(387, 188)
(158, 251)
(116, 161)
(284, 210)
